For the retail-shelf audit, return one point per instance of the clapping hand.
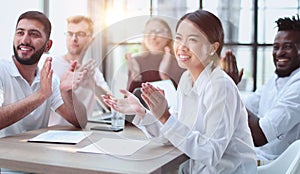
(228, 64)
(71, 79)
(165, 64)
(46, 78)
(89, 67)
(133, 67)
(129, 105)
(156, 101)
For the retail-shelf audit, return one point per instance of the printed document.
(61, 136)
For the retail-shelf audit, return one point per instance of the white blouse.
(209, 124)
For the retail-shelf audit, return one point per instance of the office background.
(249, 29)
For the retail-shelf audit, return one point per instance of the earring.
(212, 53)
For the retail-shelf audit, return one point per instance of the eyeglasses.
(79, 34)
(159, 32)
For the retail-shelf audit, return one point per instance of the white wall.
(58, 12)
(10, 11)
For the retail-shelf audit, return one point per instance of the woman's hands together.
(129, 105)
(156, 101)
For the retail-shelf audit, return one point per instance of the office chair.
(137, 92)
(287, 163)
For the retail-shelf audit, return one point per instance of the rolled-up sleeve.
(284, 113)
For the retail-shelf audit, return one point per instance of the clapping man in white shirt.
(79, 36)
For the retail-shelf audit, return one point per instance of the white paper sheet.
(122, 147)
(61, 136)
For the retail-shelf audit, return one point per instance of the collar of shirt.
(13, 71)
(204, 76)
(281, 81)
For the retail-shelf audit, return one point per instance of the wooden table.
(18, 154)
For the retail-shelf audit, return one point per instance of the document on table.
(122, 147)
(61, 136)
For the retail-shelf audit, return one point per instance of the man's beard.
(33, 59)
(284, 73)
(295, 64)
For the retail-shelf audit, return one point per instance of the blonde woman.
(156, 61)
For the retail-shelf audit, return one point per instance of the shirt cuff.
(169, 124)
(147, 120)
(174, 131)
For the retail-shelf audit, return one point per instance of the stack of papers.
(61, 136)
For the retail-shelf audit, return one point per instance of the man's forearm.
(258, 136)
(14, 112)
(76, 110)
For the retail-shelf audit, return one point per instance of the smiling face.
(192, 48)
(286, 52)
(30, 42)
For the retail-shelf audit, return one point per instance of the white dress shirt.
(14, 87)
(277, 104)
(208, 124)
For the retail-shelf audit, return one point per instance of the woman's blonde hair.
(166, 25)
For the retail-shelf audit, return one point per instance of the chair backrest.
(284, 162)
(295, 166)
(137, 92)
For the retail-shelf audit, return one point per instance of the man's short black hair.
(39, 16)
(288, 23)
